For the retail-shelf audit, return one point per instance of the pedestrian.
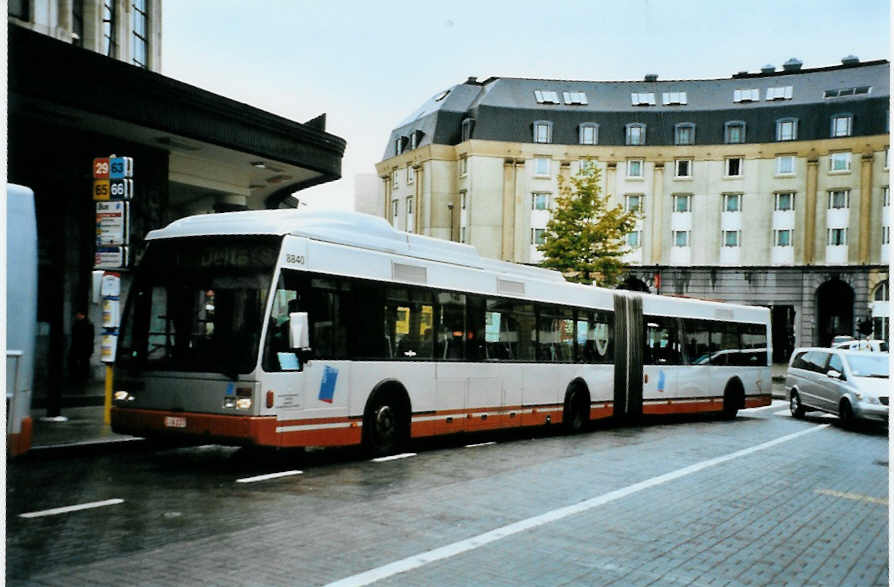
(81, 348)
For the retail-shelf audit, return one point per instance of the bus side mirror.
(298, 329)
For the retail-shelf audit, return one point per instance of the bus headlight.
(243, 403)
(123, 396)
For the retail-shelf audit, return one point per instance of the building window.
(785, 165)
(684, 133)
(463, 199)
(785, 201)
(633, 239)
(467, 126)
(633, 203)
(839, 199)
(543, 131)
(540, 201)
(734, 132)
(546, 96)
(395, 209)
(886, 198)
(886, 235)
(636, 134)
(749, 95)
(846, 92)
(669, 98)
(537, 236)
(787, 129)
(642, 98)
(463, 166)
(410, 216)
(587, 164)
(394, 179)
(683, 168)
(77, 23)
(462, 234)
(732, 202)
(140, 34)
(837, 237)
(732, 238)
(783, 238)
(681, 238)
(575, 98)
(20, 9)
(682, 203)
(541, 166)
(886, 156)
(398, 146)
(842, 125)
(414, 142)
(840, 161)
(779, 93)
(109, 38)
(411, 174)
(733, 167)
(634, 168)
(589, 133)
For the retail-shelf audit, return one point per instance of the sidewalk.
(81, 427)
(85, 429)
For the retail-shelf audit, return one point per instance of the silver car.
(850, 384)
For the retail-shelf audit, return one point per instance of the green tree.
(585, 237)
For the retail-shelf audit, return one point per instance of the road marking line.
(72, 508)
(854, 496)
(268, 476)
(480, 444)
(444, 552)
(394, 457)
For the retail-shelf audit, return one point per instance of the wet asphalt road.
(762, 500)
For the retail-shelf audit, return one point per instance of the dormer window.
(575, 97)
(734, 132)
(543, 131)
(779, 93)
(589, 133)
(787, 129)
(636, 134)
(467, 126)
(842, 125)
(841, 92)
(684, 133)
(642, 98)
(749, 95)
(546, 96)
(671, 98)
(398, 145)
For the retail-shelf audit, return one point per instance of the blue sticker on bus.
(231, 388)
(327, 385)
(661, 381)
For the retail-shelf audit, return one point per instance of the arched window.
(881, 292)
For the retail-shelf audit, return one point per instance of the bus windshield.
(197, 305)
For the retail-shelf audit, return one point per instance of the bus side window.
(451, 327)
(475, 334)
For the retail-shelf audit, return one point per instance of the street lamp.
(450, 207)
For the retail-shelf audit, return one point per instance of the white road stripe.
(268, 476)
(394, 457)
(480, 444)
(72, 508)
(421, 559)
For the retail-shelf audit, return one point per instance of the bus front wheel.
(384, 426)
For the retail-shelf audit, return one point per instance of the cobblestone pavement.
(670, 502)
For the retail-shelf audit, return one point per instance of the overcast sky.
(368, 65)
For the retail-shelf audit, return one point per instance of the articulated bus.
(21, 315)
(289, 328)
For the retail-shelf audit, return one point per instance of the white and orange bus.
(298, 328)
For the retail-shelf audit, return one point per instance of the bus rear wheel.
(577, 411)
(733, 399)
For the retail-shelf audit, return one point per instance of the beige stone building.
(764, 188)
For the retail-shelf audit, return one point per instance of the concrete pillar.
(417, 216)
(657, 212)
(510, 187)
(387, 198)
(810, 212)
(865, 207)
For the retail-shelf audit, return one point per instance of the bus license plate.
(175, 422)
